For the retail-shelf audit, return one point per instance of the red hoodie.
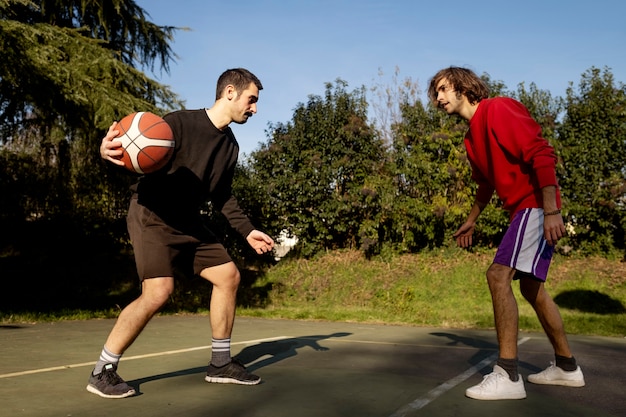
(509, 155)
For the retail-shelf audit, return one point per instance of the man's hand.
(553, 228)
(110, 149)
(260, 242)
(463, 236)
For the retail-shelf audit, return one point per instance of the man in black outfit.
(166, 228)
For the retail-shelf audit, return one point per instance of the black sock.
(510, 366)
(566, 364)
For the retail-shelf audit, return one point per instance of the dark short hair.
(464, 81)
(240, 78)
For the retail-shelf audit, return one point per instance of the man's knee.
(235, 277)
(157, 291)
(499, 275)
(225, 275)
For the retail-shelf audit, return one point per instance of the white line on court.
(448, 385)
(149, 355)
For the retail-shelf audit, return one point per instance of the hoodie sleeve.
(520, 136)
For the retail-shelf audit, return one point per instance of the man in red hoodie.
(508, 155)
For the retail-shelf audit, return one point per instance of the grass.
(443, 288)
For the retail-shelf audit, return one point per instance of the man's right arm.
(463, 236)
(110, 149)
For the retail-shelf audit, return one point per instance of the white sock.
(106, 357)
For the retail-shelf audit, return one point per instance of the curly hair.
(464, 81)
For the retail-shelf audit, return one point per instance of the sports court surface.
(308, 368)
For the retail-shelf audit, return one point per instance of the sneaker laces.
(551, 369)
(110, 376)
(491, 379)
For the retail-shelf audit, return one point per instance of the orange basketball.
(147, 140)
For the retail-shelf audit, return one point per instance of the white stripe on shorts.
(523, 246)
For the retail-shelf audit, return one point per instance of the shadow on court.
(254, 357)
(484, 350)
(590, 301)
(307, 368)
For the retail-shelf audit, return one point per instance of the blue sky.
(296, 46)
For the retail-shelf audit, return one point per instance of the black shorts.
(161, 249)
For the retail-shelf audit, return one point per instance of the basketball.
(147, 140)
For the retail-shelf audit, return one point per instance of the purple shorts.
(524, 247)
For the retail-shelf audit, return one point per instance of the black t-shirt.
(202, 168)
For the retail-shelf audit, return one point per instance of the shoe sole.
(225, 380)
(485, 398)
(560, 382)
(96, 391)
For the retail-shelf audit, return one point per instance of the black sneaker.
(109, 384)
(231, 373)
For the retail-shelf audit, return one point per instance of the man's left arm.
(553, 227)
(259, 241)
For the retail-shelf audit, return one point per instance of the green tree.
(74, 65)
(430, 172)
(433, 187)
(542, 107)
(592, 145)
(69, 68)
(313, 170)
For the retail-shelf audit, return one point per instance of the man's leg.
(548, 313)
(225, 279)
(222, 368)
(499, 278)
(504, 382)
(104, 380)
(564, 371)
(155, 292)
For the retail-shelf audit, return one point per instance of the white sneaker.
(497, 386)
(553, 375)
